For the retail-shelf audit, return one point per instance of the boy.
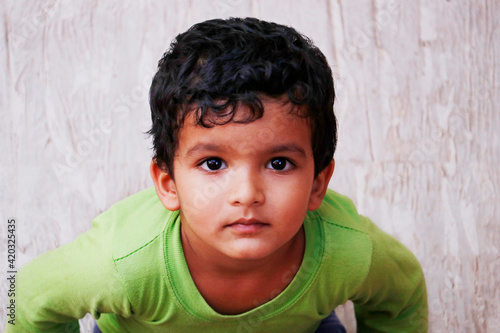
(240, 233)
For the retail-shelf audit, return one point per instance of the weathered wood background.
(417, 85)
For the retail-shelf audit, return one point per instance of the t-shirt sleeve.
(61, 286)
(393, 297)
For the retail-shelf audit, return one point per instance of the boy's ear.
(320, 185)
(165, 187)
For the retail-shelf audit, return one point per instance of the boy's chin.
(251, 250)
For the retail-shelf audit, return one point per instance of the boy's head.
(218, 65)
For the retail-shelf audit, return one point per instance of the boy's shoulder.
(134, 222)
(343, 225)
(369, 266)
(339, 210)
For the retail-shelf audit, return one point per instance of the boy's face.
(244, 189)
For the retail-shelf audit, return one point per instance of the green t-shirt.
(130, 273)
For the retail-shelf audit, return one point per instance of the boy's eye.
(213, 164)
(279, 163)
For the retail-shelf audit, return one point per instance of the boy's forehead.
(242, 113)
(279, 120)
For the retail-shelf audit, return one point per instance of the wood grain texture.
(417, 102)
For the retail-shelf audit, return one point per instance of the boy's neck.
(232, 286)
(222, 265)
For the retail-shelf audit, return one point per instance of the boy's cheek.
(203, 197)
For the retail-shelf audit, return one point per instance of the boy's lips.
(247, 225)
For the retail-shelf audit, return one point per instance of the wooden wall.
(417, 102)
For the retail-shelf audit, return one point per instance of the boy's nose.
(246, 189)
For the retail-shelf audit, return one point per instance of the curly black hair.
(218, 64)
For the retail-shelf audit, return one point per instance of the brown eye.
(213, 164)
(280, 164)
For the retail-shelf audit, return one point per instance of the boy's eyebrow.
(288, 148)
(283, 148)
(203, 147)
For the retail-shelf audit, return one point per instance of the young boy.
(240, 233)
